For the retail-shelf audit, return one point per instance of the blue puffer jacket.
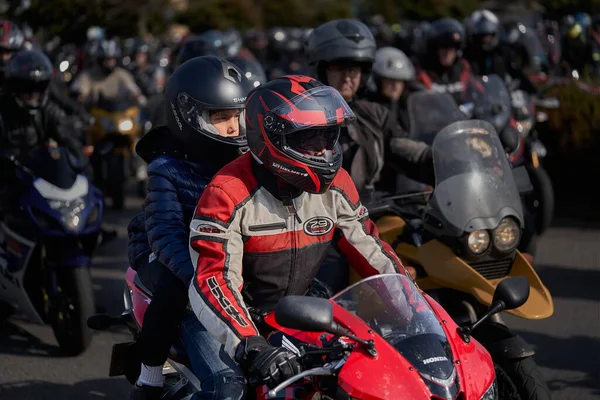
(174, 187)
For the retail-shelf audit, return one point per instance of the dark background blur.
(71, 18)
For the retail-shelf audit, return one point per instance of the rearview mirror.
(513, 292)
(310, 314)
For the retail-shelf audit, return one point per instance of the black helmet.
(338, 41)
(480, 24)
(195, 46)
(251, 69)
(290, 121)
(446, 33)
(198, 86)
(27, 76)
(11, 38)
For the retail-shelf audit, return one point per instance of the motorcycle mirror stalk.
(313, 314)
(511, 293)
(101, 322)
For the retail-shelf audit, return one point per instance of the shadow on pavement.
(577, 353)
(106, 389)
(18, 341)
(582, 283)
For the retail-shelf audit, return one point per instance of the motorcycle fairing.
(49, 191)
(445, 270)
(15, 253)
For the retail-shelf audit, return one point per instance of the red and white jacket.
(248, 249)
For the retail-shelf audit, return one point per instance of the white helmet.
(392, 63)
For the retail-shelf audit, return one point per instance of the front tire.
(116, 181)
(518, 377)
(70, 309)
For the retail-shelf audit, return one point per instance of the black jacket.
(503, 61)
(176, 180)
(21, 130)
(376, 141)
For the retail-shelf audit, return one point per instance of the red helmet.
(293, 126)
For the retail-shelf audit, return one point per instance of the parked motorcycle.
(463, 244)
(47, 239)
(380, 338)
(117, 129)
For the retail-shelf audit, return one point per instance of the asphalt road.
(567, 344)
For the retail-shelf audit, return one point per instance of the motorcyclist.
(443, 68)
(149, 78)
(273, 212)
(203, 133)
(341, 53)
(11, 40)
(28, 119)
(488, 54)
(392, 73)
(106, 80)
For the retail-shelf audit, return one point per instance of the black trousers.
(164, 314)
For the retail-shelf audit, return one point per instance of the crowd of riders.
(220, 153)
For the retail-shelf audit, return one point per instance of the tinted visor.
(19, 86)
(315, 140)
(317, 107)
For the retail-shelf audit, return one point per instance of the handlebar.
(326, 370)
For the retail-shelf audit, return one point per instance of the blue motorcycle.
(49, 231)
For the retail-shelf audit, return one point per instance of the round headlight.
(507, 235)
(478, 241)
(125, 125)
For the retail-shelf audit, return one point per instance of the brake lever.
(326, 370)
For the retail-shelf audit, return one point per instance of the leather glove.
(270, 365)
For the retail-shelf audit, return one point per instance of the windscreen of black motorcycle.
(431, 355)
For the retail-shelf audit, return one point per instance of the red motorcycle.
(381, 338)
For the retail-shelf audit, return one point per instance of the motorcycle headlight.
(478, 241)
(70, 212)
(107, 125)
(507, 235)
(491, 393)
(125, 125)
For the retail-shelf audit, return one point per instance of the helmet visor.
(197, 115)
(321, 106)
(313, 141)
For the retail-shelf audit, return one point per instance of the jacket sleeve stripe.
(211, 280)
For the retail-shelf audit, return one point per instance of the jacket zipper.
(295, 219)
(267, 227)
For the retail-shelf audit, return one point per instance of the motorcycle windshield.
(121, 103)
(475, 187)
(394, 308)
(429, 113)
(491, 100)
(56, 165)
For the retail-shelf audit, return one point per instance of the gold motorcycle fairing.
(118, 120)
(444, 269)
